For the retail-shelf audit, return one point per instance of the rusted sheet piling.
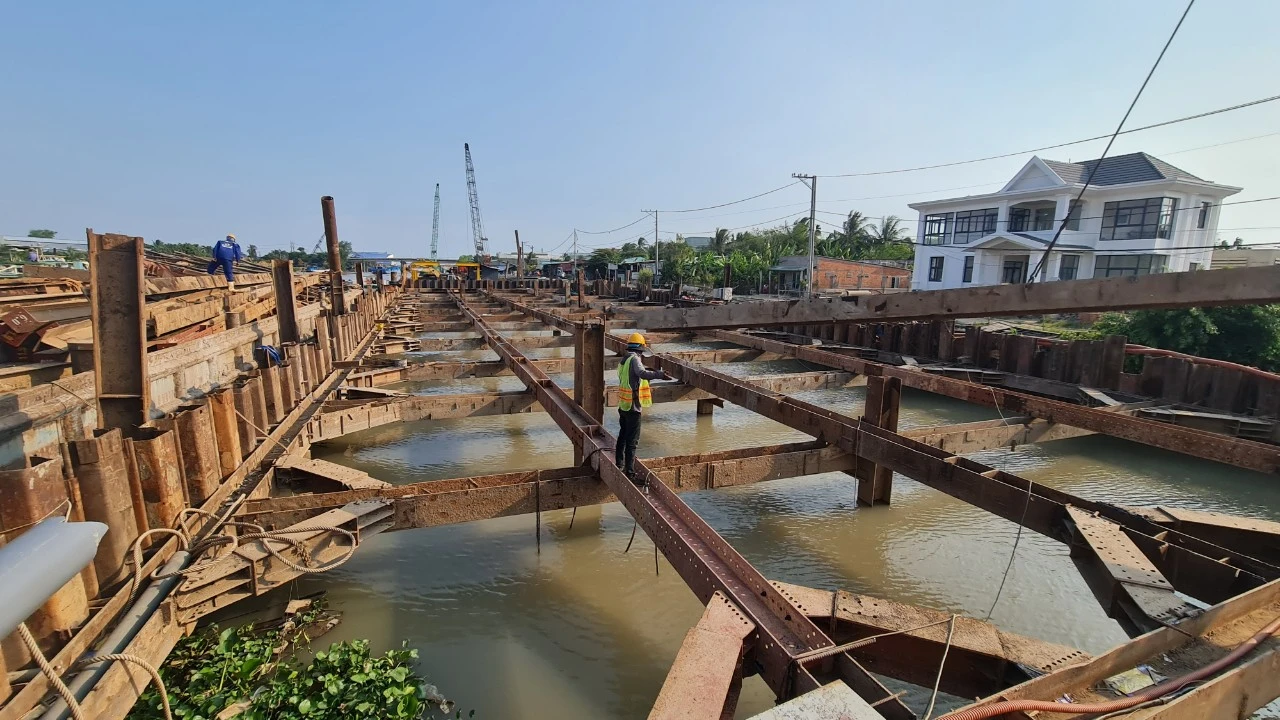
(99, 465)
(27, 496)
(242, 391)
(222, 403)
(276, 409)
(199, 446)
(159, 472)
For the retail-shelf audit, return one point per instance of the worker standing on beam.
(633, 396)
(226, 252)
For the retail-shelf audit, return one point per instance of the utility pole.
(519, 257)
(811, 181)
(656, 269)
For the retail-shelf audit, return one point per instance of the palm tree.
(888, 231)
(855, 226)
(720, 243)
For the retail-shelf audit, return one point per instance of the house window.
(968, 269)
(1195, 267)
(1119, 265)
(1070, 267)
(1138, 219)
(1019, 219)
(936, 228)
(973, 224)
(1203, 222)
(1015, 272)
(935, 268)
(1073, 217)
(1043, 220)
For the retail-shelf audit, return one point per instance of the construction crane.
(435, 225)
(477, 228)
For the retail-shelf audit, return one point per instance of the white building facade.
(1139, 216)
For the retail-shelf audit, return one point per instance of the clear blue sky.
(185, 121)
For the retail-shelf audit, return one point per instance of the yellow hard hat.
(230, 236)
(635, 339)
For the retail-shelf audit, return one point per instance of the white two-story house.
(1140, 215)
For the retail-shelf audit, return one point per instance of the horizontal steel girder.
(705, 561)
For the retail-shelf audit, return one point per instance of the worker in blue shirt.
(226, 252)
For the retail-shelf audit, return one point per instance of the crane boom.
(435, 225)
(477, 228)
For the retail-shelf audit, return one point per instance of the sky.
(186, 121)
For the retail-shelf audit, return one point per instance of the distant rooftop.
(1121, 169)
(372, 255)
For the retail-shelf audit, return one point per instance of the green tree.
(42, 233)
(720, 241)
(253, 252)
(1245, 334)
(598, 264)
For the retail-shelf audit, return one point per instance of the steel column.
(117, 293)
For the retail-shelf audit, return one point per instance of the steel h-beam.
(1199, 443)
(1208, 572)
(705, 561)
(1245, 286)
(286, 305)
(117, 291)
(335, 257)
(875, 482)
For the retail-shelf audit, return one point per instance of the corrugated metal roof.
(1119, 170)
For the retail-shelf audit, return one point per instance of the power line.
(1097, 165)
(623, 227)
(1197, 116)
(735, 202)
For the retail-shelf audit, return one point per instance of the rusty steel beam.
(983, 658)
(1199, 443)
(330, 218)
(1249, 286)
(1127, 585)
(286, 302)
(706, 677)
(445, 502)
(1250, 612)
(1202, 570)
(117, 295)
(704, 560)
(253, 570)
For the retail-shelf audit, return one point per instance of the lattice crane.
(435, 225)
(477, 227)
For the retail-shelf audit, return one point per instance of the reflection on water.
(583, 630)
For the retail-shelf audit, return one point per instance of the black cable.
(1098, 163)
(735, 202)
(606, 232)
(1197, 116)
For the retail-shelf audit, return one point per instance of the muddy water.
(586, 630)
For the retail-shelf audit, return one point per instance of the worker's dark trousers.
(225, 264)
(624, 454)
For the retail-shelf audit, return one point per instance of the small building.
(1140, 215)
(1239, 257)
(833, 274)
(372, 256)
(698, 243)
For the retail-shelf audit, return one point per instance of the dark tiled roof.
(1121, 169)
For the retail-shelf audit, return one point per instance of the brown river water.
(586, 630)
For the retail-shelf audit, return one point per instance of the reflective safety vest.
(625, 398)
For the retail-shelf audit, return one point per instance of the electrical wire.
(1044, 258)
(621, 227)
(735, 202)
(1152, 126)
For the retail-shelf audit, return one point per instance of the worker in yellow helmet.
(633, 396)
